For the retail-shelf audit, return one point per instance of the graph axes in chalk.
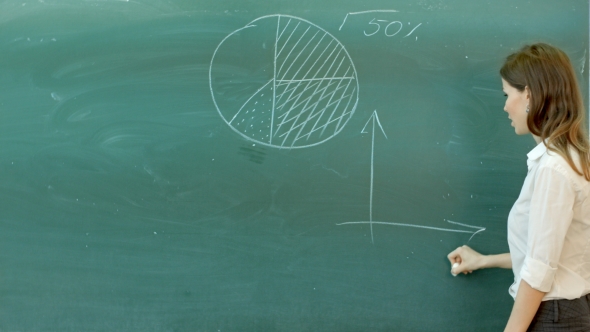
(374, 121)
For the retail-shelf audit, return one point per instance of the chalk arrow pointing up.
(375, 119)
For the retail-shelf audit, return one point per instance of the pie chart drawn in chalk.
(283, 82)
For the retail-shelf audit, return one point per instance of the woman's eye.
(505, 95)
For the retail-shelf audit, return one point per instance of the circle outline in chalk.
(250, 25)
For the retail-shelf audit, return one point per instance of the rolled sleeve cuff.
(538, 274)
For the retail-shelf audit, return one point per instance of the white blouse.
(549, 228)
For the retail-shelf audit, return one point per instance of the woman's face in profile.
(516, 106)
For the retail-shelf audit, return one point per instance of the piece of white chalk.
(454, 266)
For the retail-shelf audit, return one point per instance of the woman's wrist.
(483, 262)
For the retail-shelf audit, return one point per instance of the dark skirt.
(563, 315)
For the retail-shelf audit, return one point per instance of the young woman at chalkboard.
(549, 225)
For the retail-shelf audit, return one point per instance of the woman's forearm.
(525, 306)
(502, 261)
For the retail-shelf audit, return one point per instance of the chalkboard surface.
(260, 165)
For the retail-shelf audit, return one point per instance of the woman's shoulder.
(555, 161)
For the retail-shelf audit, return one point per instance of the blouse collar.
(535, 154)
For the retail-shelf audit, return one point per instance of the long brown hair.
(556, 109)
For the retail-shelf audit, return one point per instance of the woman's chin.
(521, 132)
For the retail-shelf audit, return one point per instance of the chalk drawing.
(374, 121)
(305, 94)
(392, 28)
(367, 12)
(442, 229)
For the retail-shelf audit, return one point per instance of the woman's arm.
(470, 260)
(525, 306)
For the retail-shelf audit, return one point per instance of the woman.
(549, 225)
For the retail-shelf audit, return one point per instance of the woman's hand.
(468, 259)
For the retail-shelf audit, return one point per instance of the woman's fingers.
(455, 255)
(459, 268)
(462, 260)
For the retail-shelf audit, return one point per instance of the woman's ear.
(528, 92)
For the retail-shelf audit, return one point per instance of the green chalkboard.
(260, 165)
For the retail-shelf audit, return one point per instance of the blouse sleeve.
(551, 213)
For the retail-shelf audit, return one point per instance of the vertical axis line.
(371, 196)
(274, 82)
